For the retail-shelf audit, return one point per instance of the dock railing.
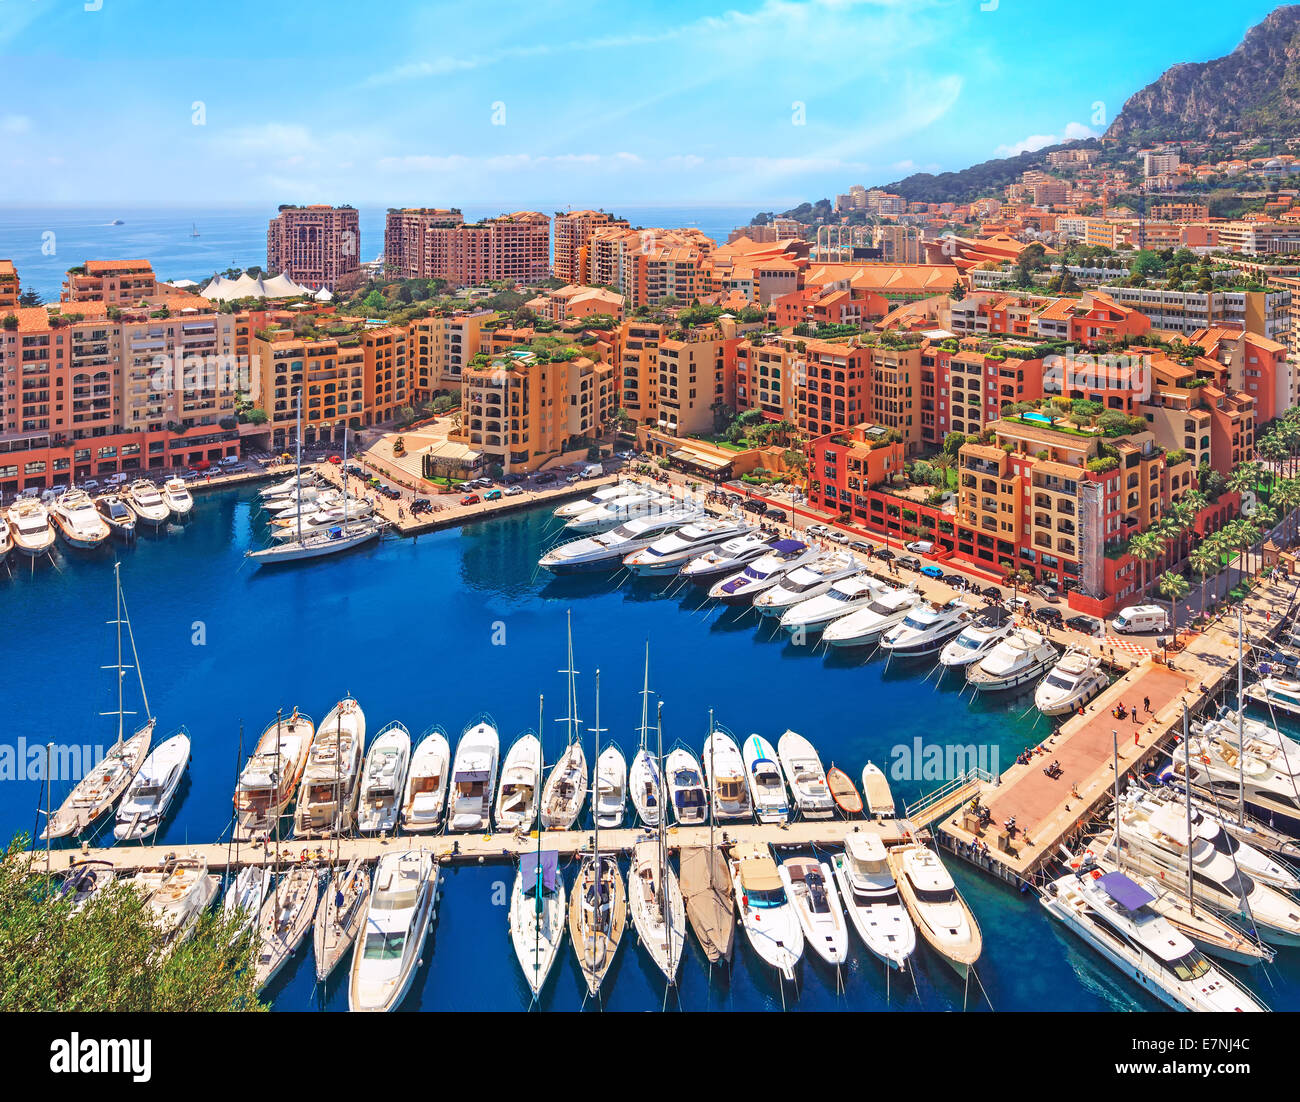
(948, 797)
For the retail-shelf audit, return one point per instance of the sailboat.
(645, 779)
(339, 916)
(99, 789)
(598, 909)
(245, 896)
(654, 897)
(194, 230)
(707, 890)
(304, 545)
(285, 919)
(566, 787)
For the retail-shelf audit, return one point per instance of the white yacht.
(270, 776)
(936, 907)
(6, 538)
(763, 573)
(765, 910)
(608, 550)
(1022, 656)
(926, 629)
(150, 793)
(79, 521)
(403, 900)
(806, 777)
(178, 498)
(1113, 915)
(685, 787)
(147, 503)
(327, 796)
(424, 799)
(766, 785)
(889, 608)
(29, 520)
(383, 780)
(290, 528)
(724, 770)
(474, 775)
(537, 915)
(872, 900)
(177, 895)
(658, 911)
(725, 559)
(974, 642)
(315, 545)
(244, 897)
(288, 507)
(609, 788)
(521, 784)
(595, 500)
(299, 484)
(810, 579)
(1281, 694)
(119, 518)
(1070, 684)
(810, 887)
(848, 595)
(666, 556)
(619, 510)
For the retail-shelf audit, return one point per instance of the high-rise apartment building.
(422, 243)
(573, 232)
(319, 246)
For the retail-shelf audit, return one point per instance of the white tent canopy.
(222, 289)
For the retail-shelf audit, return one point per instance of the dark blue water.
(44, 242)
(408, 628)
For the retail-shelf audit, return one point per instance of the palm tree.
(1286, 496)
(1145, 547)
(1017, 578)
(1204, 559)
(1175, 587)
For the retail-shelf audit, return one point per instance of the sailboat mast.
(300, 465)
(1187, 796)
(666, 903)
(117, 582)
(345, 477)
(645, 699)
(708, 803)
(595, 846)
(1241, 730)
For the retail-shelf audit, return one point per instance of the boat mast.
(708, 803)
(1187, 796)
(1119, 852)
(645, 699)
(537, 812)
(135, 655)
(572, 718)
(596, 870)
(299, 494)
(1241, 733)
(117, 582)
(275, 861)
(344, 478)
(664, 901)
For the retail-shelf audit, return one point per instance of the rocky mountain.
(1255, 89)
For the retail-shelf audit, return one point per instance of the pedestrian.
(1146, 704)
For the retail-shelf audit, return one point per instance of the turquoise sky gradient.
(577, 102)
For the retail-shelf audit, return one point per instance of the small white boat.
(766, 785)
(286, 917)
(764, 908)
(403, 900)
(686, 787)
(150, 793)
(808, 580)
(177, 895)
(645, 783)
(383, 780)
(320, 520)
(594, 500)
(474, 776)
(875, 788)
(609, 788)
(810, 887)
(79, 521)
(566, 789)
(146, 501)
(724, 770)
(866, 625)
(974, 642)
(29, 521)
(805, 775)
(537, 915)
(521, 783)
(763, 573)
(872, 900)
(178, 498)
(1070, 684)
(725, 559)
(425, 798)
(244, 897)
(925, 630)
(302, 484)
(1023, 656)
(327, 795)
(655, 900)
(119, 518)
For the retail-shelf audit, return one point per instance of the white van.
(1142, 618)
(592, 470)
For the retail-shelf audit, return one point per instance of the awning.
(550, 861)
(695, 459)
(1125, 892)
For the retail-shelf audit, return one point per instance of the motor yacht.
(811, 579)
(473, 776)
(383, 780)
(608, 550)
(888, 608)
(833, 606)
(1265, 769)
(926, 629)
(666, 556)
(1280, 694)
(151, 790)
(30, 525)
(146, 501)
(424, 799)
(620, 510)
(805, 776)
(602, 496)
(724, 770)
(936, 907)
(766, 913)
(686, 787)
(322, 520)
(810, 887)
(271, 775)
(727, 558)
(177, 895)
(1070, 684)
(872, 901)
(974, 642)
(403, 901)
(119, 518)
(178, 498)
(327, 795)
(521, 782)
(766, 785)
(609, 788)
(1021, 657)
(763, 573)
(79, 521)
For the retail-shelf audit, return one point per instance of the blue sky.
(583, 102)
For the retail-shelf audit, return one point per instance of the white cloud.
(1074, 131)
(15, 124)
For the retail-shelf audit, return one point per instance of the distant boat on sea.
(117, 222)
(194, 230)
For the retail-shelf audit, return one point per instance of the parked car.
(921, 547)
(910, 562)
(1142, 618)
(862, 546)
(753, 505)
(573, 478)
(836, 536)
(773, 513)
(1047, 592)
(1018, 604)
(818, 530)
(513, 491)
(545, 477)
(470, 499)
(492, 495)
(1048, 615)
(957, 581)
(992, 592)
(1088, 625)
(932, 571)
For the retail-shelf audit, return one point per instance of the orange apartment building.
(112, 282)
(573, 231)
(442, 347)
(637, 355)
(574, 302)
(696, 373)
(318, 246)
(650, 265)
(964, 384)
(10, 285)
(426, 243)
(769, 372)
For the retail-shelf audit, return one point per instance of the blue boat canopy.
(550, 861)
(1125, 892)
(786, 547)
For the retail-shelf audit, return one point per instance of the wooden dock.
(475, 848)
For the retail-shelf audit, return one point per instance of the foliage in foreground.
(108, 956)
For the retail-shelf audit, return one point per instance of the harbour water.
(460, 622)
